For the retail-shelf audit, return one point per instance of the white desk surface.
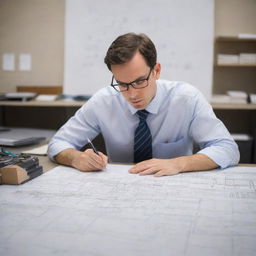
(112, 212)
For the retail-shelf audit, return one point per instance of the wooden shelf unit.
(238, 118)
(232, 76)
(236, 65)
(234, 39)
(230, 106)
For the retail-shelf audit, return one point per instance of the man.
(151, 122)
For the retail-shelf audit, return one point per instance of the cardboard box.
(13, 175)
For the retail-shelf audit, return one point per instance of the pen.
(92, 146)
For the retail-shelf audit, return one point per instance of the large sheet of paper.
(112, 212)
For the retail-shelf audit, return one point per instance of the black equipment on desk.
(18, 168)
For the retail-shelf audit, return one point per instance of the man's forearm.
(196, 162)
(172, 166)
(67, 156)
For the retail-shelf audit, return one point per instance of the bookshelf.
(238, 118)
(234, 76)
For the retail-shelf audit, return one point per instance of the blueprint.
(113, 212)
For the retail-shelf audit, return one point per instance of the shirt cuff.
(222, 157)
(55, 148)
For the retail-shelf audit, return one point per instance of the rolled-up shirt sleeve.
(212, 136)
(75, 132)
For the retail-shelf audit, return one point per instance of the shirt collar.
(154, 105)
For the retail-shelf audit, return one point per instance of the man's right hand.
(83, 161)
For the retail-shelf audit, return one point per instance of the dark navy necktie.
(142, 139)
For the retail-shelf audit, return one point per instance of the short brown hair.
(125, 46)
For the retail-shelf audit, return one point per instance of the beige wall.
(35, 27)
(235, 16)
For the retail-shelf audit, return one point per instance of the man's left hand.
(158, 167)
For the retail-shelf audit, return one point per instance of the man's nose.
(132, 91)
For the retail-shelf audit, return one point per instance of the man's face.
(133, 70)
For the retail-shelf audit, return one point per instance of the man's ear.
(157, 70)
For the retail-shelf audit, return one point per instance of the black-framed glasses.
(137, 84)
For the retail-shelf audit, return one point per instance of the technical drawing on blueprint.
(113, 212)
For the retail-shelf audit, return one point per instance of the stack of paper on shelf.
(247, 58)
(220, 98)
(21, 96)
(46, 97)
(239, 97)
(247, 36)
(241, 136)
(227, 59)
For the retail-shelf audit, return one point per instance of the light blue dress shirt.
(179, 115)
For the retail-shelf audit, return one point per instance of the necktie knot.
(142, 114)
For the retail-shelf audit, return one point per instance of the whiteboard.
(182, 31)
